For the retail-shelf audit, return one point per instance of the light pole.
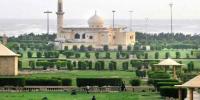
(131, 21)
(47, 12)
(113, 18)
(171, 13)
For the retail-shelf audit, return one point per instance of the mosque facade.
(95, 35)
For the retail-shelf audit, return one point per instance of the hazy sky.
(83, 9)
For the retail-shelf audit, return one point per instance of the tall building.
(95, 35)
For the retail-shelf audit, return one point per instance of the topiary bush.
(98, 82)
(171, 91)
(135, 82)
(12, 82)
(43, 82)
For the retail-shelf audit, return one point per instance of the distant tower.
(60, 14)
(5, 39)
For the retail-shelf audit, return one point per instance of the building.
(8, 62)
(95, 35)
(5, 39)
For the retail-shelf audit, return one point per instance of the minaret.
(5, 39)
(60, 14)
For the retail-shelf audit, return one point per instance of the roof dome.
(96, 21)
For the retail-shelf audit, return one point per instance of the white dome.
(96, 21)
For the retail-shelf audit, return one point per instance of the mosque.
(95, 35)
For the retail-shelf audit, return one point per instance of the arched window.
(77, 36)
(83, 36)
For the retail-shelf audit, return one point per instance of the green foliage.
(129, 47)
(112, 65)
(87, 55)
(146, 56)
(98, 82)
(39, 54)
(12, 82)
(75, 48)
(19, 65)
(43, 82)
(107, 55)
(160, 84)
(136, 63)
(169, 91)
(125, 65)
(157, 55)
(99, 65)
(51, 54)
(167, 55)
(178, 55)
(66, 82)
(82, 48)
(66, 48)
(135, 82)
(32, 64)
(97, 55)
(68, 54)
(105, 48)
(190, 66)
(90, 48)
(158, 75)
(82, 65)
(187, 76)
(29, 54)
(77, 55)
(120, 48)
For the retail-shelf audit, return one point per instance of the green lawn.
(126, 76)
(79, 96)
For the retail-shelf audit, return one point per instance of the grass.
(126, 76)
(79, 96)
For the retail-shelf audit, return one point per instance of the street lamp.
(171, 5)
(47, 12)
(113, 18)
(131, 21)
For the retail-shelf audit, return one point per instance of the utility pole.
(171, 13)
(131, 21)
(47, 12)
(113, 18)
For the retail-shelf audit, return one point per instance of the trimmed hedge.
(160, 84)
(159, 75)
(66, 82)
(98, 82)
(135, 82)
(43, 82)
(155, 81)
(12, 81)
(168, 91)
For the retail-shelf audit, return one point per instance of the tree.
(90, 48)
(190, 66)
(97, 55)
(125, 65)
(157, 55)
(105, 48)
(32, 64)
(146, 56)
(75, 48)
(107, 55)
(66, 48)
(178, 55)
(29, 54)
(129, 48)
(39, 54)
(82, 48)
(87, 55)
(120, 47)
(167, 55)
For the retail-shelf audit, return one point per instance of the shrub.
(66, 82)
(77, 55)
(19, 64)
(125, 65)
(135, 82)
(190, 66)
(68, 54)
(157, 55)
(98, 82)
(112, 65)
(155, 81)
(120, 47)
(39, 54)
(159, 75)
(146, 56)
(169, 91)
(107, 55)
(129, 48)
(99, 65)
(12, 82)
(178, 55)
(82, 48)
(82, 65)
(75, 48)
(29, 54)
(66, 48)
(167, 55)
(97, 55)
(160, 84)
(87, 55)
(90, 48)
(105, 48)
(43, 82)
(32, 64)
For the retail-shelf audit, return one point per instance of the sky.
(83, 9)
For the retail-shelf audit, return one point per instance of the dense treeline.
(168, 37)
(36, 38)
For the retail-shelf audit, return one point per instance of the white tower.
(60, 18)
